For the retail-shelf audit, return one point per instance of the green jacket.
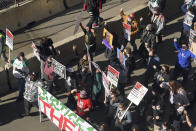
(97, 84)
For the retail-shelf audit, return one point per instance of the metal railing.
(5, 4)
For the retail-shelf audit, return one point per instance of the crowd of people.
(167, 104)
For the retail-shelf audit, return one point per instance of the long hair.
(174, 86)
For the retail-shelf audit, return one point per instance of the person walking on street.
(3, 46)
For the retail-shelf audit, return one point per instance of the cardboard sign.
(64, 118)
(106, 84)
(113, 76)
(9, 39)
(137, 93)
(121, 57)
(108, 39)
(59, 68)
(127, 31)
(77, 25)
(188, 19)
(96, 66)
(191, 36)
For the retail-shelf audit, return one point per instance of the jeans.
(179, 70)
(28, 105)
(21, 85)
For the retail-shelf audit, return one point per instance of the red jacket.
(82, 104)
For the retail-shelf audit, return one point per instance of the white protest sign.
(36, 54)
(59, 68)
(137, 93)
(9, 39)
(106, 84)
(127, 31)
(113, 76)
(64, 118)
(77, 25)
(188, 19)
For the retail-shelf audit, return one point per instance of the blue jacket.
(184, 56)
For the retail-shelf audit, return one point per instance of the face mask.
(158, 108)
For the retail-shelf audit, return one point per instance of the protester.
(84, 104)
(3, 46)
(183, 64)
(123, 124)
(93, 7)
(20, 71)
(158, 21)
(90, 39)
(130, 20)
(156, 4)
(49, 74)
(31, 92)
(147, 41)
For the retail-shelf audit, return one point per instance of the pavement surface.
(60, 27)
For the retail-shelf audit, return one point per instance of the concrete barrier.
(36, 10)
(71, 3)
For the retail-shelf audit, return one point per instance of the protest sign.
(77, 25)
(113, 75)
(64, 118)
(191, 36)
(188, 19)
(36, 54)
(59, 68)
(106, 84)
(127, 31)
(96, 66)
(9, 39)
(121, 57)
(137, 93)
(108, 39)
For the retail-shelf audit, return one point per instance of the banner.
(188, 19)
(113, 75)
(106, 84)
(121, 57)
(108, 39)
(9, 39)
(59, 69)
(77, 25)
(59, 114)
(96, 66)
(127, 31)
(137, 93)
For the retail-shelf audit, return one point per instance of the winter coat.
(158, 23)
(97, 84)
(149, 38)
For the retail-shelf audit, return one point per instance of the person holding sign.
(90, 39)
(3, 46)
(134, 29)
(122, 124)
(20, 71)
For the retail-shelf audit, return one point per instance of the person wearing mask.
(31, 92)
(158, 21)
(93, 7)
(183, 64)
(20, 71)
(45, 50)
(152, 64)
(90, 39)
(156, 4)
(122, 124)
(192, 126)
(84, 103)
(3, 46)
(187, 4)
(148, 40)
(130, 20)
(49, 74)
